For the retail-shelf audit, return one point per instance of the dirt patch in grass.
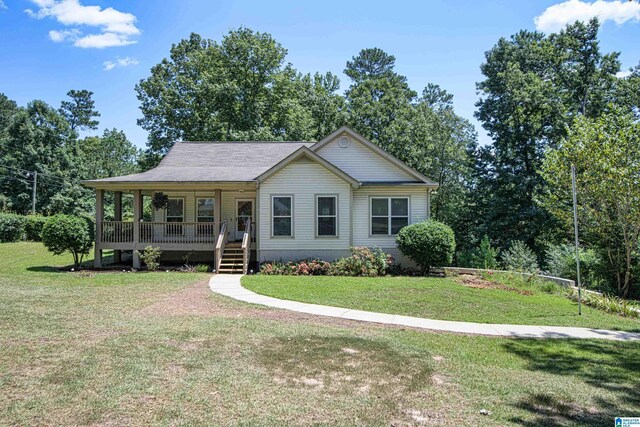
(477, 282)
(198, 300)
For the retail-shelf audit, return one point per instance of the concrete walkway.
(229, 285)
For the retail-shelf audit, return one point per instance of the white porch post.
(97, 255)
(117, 216)
(137, 215)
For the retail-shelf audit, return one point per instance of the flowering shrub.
(362, 262)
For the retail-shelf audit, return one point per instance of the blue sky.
(64, 44)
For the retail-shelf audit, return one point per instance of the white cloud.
(116, 28)
(120, 62)
(556, 17)
(623, 74)
(60, 36)
(3, 5)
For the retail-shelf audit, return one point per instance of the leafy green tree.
(67, 233)
(606, 154)
(237, 89)
(534, 87)
(80, 111)
(520, 258)
(38, 139)
(111, 154)
(377, 97)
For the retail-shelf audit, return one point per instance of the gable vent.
(344, 141)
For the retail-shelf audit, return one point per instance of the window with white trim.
(327, 215)
(205, 210)
(389, 215)
(282, 216)
(174, 213)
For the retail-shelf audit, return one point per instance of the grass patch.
(159, 348)
(515, 301)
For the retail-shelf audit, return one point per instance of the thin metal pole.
(33, 192)
(575, 227)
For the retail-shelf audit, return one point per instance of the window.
(389, 214)
(205, 210)
(282, 207)
(205, 214)
(327, 215)
(175, 213)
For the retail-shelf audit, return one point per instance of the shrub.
(11, 227)
(33, 227)
(314, 267)
(610, 304)
(362, 262)
(485, 256)
(561, 262)
(66, 233)
(519, 257)
(429, 244)
(202, 268)
(151, 257)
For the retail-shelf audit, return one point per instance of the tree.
(429, 244)
(112, 154)
(372, 63)
(534, 87)
(377, 97)
(38, 139)
(237, 89)
(66, 233)
(80, 111)
(606, 154)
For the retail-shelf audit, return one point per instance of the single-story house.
(232, 203)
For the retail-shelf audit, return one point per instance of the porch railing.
(117, 231)
(220, 244)
(158, 232)
(177, 232)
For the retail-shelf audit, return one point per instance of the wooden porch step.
(230, 270)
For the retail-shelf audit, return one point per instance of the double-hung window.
(327, 215)
(175, 214)
(389, 215)
(282, 216)
(205, 214)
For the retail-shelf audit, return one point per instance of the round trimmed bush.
(11, 227)
(429, 244)
(33, 227)
(66, 233)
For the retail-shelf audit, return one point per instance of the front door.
(244, 212)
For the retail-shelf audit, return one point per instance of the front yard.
(160, 348)
(511, 301)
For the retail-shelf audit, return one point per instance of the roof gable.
(304, 152)
(366, 161)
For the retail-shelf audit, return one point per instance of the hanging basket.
(159, 201)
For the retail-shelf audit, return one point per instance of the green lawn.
(439, 298)
(160, 348)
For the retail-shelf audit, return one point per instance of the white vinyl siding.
(362, 163)
(303, 180)
(418, 211)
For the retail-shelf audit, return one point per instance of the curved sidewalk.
(229, 285)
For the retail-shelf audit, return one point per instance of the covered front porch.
(217, 225)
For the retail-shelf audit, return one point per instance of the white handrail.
(246, 247)
(220, 244)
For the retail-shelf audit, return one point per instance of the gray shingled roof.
(214, 162)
